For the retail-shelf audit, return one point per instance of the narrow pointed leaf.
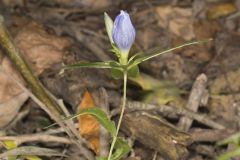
(235, 139)
(147, 57)
(88, 65)
(230, 154)
(134, 57)
(100, 116)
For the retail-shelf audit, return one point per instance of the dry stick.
(203, 118)
(194, 100)
(102, 101)
(210, 135)
(36, 138)
(51, 107)
(69, 122)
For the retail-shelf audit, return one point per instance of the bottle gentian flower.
(123, 33)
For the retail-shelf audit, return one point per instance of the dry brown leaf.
(88, 125)
(41, 50)
(221, 10)
(8, 88)
(177, 20)
(11, 96)
(9, 109)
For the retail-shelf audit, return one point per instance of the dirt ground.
(181, 107)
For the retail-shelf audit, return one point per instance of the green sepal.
(109, 26)
(115, 50)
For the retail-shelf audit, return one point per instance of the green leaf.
(111, 64)
(116, 74)
(12, 158)
(230, 154)
(31, 157)
(235, 139)
(137, 55)
(100, 116)
(134, 71)
(9, 144)
(147, 57)
(88, 65)
(121, 149)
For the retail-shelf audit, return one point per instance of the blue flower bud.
(123, 32)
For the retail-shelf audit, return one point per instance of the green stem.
(121, 114)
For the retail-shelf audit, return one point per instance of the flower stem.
(121, 114)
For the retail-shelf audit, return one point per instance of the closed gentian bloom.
(123, 32)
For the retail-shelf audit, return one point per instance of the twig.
(203, 118)
(209, 135)
(155, 155)
(36, 138)
(69, 122)
(50, 106)
(102, 101)
(194, 100)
